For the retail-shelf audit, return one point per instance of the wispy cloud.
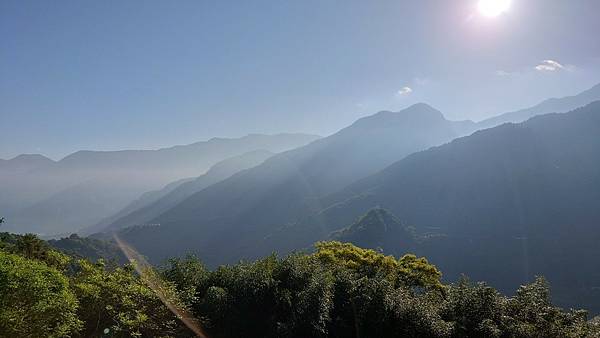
(545, 66)
(404, 91)
(503, 73)
(549, 66)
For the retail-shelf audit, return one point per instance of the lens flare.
(154, 282)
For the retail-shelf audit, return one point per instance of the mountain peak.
(25, 162)
(419, 113)
(419, 110)
(377, 228)
(31, 158)
(377, 219)
(422, 107)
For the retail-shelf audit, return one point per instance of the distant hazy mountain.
(144, 200)
(15, 170)
(87, 186)
(505, 204)
(224, 221)
(554, 105)
(63, 212)
(152, 204)
(23, 163)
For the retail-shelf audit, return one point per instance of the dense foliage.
(90, 248)
(35, 299)
(339, 290)
(45, 293)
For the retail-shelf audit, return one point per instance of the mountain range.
(282, 191)
(502, 199)
(89, 191)
(255, 202)
(53, 197)
(503, 204)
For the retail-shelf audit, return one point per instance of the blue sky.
(145, 74)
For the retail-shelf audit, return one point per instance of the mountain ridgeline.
(553, 105)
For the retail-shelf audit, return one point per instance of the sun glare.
(493, 8)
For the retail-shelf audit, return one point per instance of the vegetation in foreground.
(339, 290)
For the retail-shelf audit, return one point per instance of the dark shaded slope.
(469, 184)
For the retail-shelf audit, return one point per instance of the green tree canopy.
(119, 301)
(340, 290)
(408, 270)
(35, 300)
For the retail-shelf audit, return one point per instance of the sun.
(493, 8)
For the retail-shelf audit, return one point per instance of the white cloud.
(549, 66)
(404, 91)
(545, 66)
